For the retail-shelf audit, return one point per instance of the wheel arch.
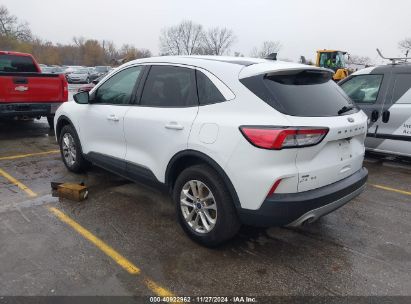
(61, 122)
(187, 158)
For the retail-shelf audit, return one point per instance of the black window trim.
(133, 93)
(379, 89)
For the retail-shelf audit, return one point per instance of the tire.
(226, 222)
(78, 164)
(50, 120)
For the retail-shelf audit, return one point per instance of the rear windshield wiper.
(345, 109)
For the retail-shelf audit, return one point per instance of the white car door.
(102, 120)
(159, 125)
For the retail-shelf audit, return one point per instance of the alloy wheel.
(198, 206)
(69, 149)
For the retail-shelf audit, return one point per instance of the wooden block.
(73, 192)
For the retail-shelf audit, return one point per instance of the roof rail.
(394, 60)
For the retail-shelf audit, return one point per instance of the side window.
(401, 90)
(207, 91)
(169, 86)
(119, 88)
(363, 88)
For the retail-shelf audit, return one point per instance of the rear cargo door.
(337, 156)
(309, 98)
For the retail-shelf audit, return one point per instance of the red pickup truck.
(27, 93)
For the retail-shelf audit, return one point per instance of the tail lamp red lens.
(277, 138)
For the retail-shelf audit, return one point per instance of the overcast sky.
(302, 26)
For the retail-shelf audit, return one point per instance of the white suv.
(235, 140)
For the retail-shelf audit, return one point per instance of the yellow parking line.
(19, 184)
(157, 289)
(109, 251)
(28, 155)
(391, 189)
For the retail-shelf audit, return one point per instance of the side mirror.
(81, 98)
(95, 81)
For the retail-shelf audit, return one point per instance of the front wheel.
(205, 208)
(71, 151)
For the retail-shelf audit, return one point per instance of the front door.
(369, 92)
(102, 121)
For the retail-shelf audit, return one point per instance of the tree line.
(16, 35)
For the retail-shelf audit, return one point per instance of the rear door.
(394, 131)
(159, 125)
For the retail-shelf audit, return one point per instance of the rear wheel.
(204, 206)
(71, 152)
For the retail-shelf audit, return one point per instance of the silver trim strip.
(315, 214)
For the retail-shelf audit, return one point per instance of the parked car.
(102, 70)
(27, 93)
(80, 75)
(93, 74)
(235, 140)
(384, 93)
(71, 68)
(87, 87)
(51, 70)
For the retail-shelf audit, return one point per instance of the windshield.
(309, 93)
(332, 60)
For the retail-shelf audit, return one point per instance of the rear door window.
(363, 88)
(306, 93)
(207, 91)
(17, 64)
(169, 86)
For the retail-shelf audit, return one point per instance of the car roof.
(387, 68)
(246, 65)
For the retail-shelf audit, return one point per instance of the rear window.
(309, 93)
(20, 64)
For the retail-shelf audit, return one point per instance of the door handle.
(113, 117)
(174, 126)
(385, 116)
(374, 115)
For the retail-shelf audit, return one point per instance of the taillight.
(65, 88)
(277, 138)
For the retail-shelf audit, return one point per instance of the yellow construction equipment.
(334, 60)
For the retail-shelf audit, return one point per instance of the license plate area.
(344, 149)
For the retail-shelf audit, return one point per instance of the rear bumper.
(28, 109)
(293, 209)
